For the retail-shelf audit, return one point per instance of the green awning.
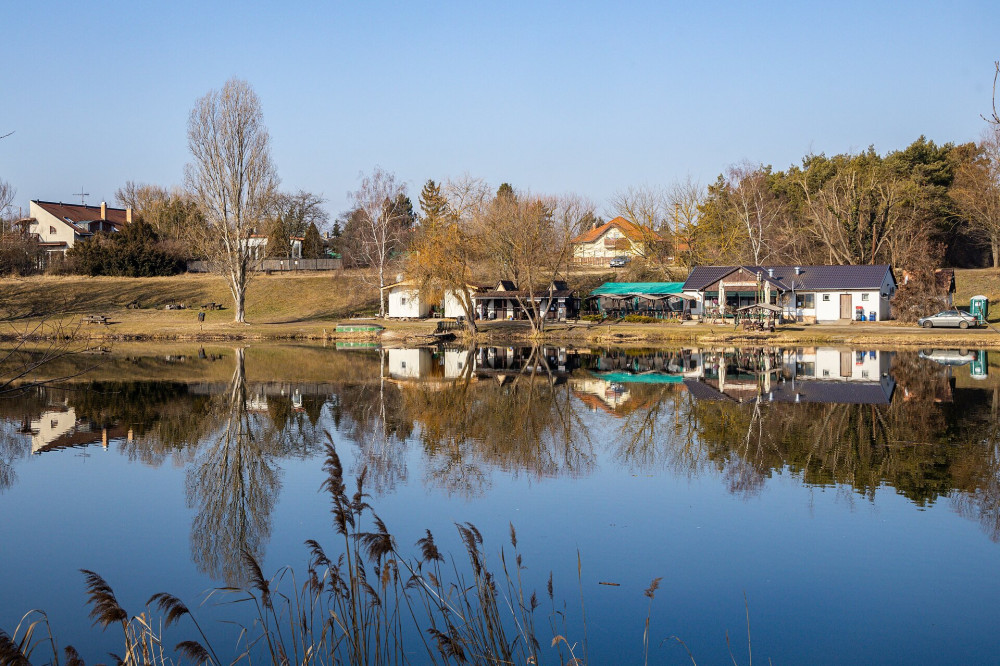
(648, 378)
(634, 288)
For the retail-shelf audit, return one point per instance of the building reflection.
(922, 422)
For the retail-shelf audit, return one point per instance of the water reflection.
(233, 482)
(922, 422)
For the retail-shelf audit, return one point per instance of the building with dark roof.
(508, 302)
(807, 294)
(60, 226)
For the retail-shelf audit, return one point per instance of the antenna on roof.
(83, 196)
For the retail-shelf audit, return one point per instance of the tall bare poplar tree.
(232, 179)
(384, 223)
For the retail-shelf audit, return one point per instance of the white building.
(807, 294)
(404, 301)
(60, 226)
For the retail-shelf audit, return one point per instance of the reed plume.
(105, 609)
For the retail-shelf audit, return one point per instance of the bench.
(96, 319)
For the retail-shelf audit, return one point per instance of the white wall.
(405, 301)
(597, 248)
(830, 310)
(865, 366)
(453, 304)
(409, 363)
(44, 220)
(50, 426)
(456, 363)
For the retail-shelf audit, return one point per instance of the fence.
(277, 265)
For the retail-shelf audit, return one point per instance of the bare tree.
(976, 190)
(856, 212)
(684, 200)
(7, 196)
(993, 120)
(300, 209)
(140, 197)
(233, 180)
(527, 239)
(467, 196)
(755, 206)
(383, 223)
(647, 208)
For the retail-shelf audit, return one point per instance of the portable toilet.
(979, 306)
(980, 368)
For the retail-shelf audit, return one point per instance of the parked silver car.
(951, 318)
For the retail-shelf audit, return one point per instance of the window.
(826, 373)
(402, 364)
(864, 297)
(826, 298)
(52, 229)
(805, 300)
(402, 300)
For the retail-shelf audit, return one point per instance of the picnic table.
(96, 319)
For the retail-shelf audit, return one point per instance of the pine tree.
(505, 190)
(312, 245)
(433, 203)
(278, 244)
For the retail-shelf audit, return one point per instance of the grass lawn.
(278, 305)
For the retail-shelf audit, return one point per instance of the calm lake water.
(847, 499)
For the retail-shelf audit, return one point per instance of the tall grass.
(366, 605)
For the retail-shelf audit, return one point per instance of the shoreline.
(420, 333)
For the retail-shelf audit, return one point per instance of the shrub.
(19, 254)
(136, 251)
(640, 319)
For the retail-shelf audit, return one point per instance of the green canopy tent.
(622, 298)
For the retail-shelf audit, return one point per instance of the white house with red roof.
(617, 238)
(60, 226)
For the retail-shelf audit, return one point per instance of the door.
(845, 364)
(845, 306)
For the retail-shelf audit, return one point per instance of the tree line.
(920, 207)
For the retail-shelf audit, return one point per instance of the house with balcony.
(617, 238)
(59, 226)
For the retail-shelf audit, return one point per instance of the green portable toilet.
(980, 368)
(978, 306)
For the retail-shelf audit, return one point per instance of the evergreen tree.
(505, 190)
(278, 244)
(312, 245)
(433, 203)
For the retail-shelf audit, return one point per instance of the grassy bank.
(307, 306)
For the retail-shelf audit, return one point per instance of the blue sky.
(553, 97)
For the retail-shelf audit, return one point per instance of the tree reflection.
(232, 485)
(519, 417)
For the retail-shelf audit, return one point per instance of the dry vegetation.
(277, 305)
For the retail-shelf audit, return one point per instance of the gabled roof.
(630, 230)
(810, 390)
(809, 278)
(76, 214)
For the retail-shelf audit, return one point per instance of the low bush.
(641, 319)
(135, 251)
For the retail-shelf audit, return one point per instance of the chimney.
(128, 214)
(770, 272)
(104, 210)
(798, 270)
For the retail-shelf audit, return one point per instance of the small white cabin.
(404, 301)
